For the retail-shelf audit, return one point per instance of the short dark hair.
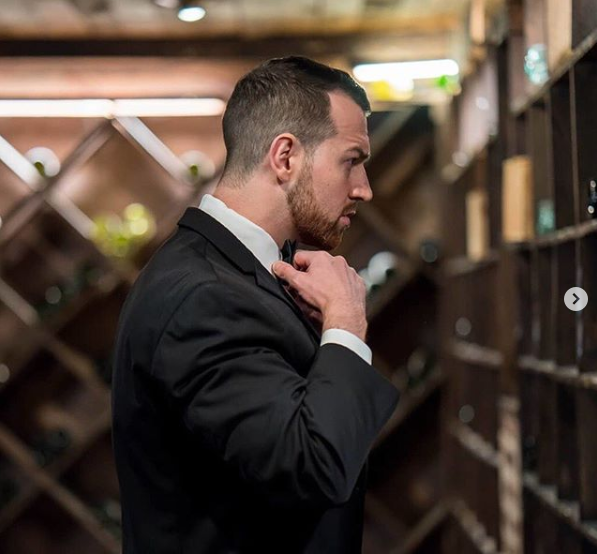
(282, 95)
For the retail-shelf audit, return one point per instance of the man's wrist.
(355, 324)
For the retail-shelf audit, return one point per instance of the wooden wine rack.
(520, 456)
(55, 359)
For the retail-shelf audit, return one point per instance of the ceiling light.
(401, 83)
(427, 69)
(133, 107)
(169, 107)
(191, 12)
(55, 108)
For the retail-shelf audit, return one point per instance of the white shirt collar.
(257, 240)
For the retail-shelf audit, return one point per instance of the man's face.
(333, 180)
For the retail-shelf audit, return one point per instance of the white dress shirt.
(265, 249)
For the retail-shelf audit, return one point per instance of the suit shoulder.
(184, 251)
(177, 268)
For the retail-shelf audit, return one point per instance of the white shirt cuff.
(349, 340)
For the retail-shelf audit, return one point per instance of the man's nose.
(362, 191)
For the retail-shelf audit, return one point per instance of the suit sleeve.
(298, 441)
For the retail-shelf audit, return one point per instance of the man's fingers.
(304, 258)
(281, 269)
(310, 311)
(285, 272)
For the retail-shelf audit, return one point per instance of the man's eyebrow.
(363, 156)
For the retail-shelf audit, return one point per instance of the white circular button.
(576, 299)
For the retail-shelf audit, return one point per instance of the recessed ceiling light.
(191, 12)
(126, 107)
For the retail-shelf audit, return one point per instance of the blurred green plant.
(122, 236)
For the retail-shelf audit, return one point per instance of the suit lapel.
(225, 241)
(241, 257)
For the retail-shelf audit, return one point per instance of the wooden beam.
(408, 161)
(236, 29)
(355, 46)
(393, 147)
(431, 522)
(122, 77)
(377, 221)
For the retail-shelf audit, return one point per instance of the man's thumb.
(278, 267)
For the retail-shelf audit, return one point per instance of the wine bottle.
(429, 251)
(381, 267)
(61, 294)
(419, 366)
(50, 445)
(592, 203)
(546, 219)
(109, 514)
(535, 64)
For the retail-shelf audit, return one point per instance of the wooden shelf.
(511, 315)
(523, 246)
(79, 365)
(423, 529)
(569, 375)
(475, 444)
(409, 402)
(561, 236)
(18, 218)
(471, 353)
(567, 511)
(471, 526)
(43, 480)
(378, 511)
(12, 447)
(107, 285)
(566, 234)
(46, 234)
(521, 106)
(81, 513)
(452, 173)
(387, 293)
(18, 505)
(39, 337)
(462, 265)
(402, 328)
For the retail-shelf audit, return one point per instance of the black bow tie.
(288, 251)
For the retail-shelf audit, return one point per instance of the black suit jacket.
(233, 430)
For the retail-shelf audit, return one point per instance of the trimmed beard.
(313, 226)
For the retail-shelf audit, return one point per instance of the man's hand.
(329, 285)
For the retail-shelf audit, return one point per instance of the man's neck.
(251, 204)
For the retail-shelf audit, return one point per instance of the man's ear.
(285, 157)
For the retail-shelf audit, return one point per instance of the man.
(238, 427)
